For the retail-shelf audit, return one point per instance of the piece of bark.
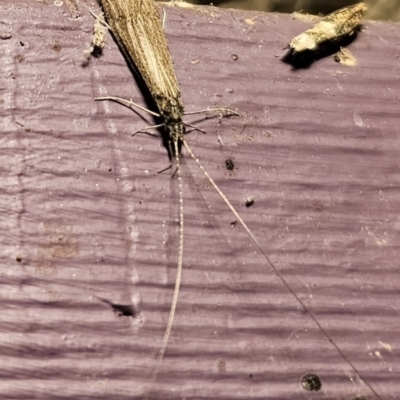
(89, 225)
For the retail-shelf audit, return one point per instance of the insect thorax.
(171, 110)
(176, 130)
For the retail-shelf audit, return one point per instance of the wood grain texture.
(86, 214)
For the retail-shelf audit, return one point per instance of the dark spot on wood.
(56, 47)
(121, 310)
(18, 258)
(249, 201)
(311, 382)
(229, 164)
(5, 36)
(97, 52)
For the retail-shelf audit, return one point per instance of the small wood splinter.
(333, 28)
(98, 38)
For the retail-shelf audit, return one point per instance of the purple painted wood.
(85, 216)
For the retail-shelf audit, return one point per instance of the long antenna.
(178, 278)
(275, 269)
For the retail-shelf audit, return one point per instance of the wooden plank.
(86, 216)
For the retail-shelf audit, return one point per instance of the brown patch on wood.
(56, 47)
(56, 242)
(221, 366)
(19, 58)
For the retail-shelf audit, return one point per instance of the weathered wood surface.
(84, 214)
